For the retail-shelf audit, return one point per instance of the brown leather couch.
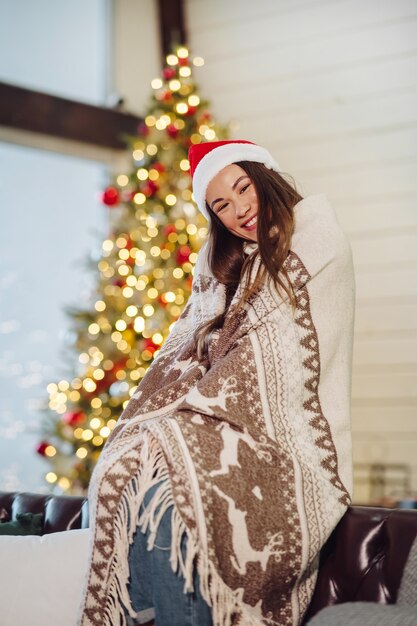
(363, 560)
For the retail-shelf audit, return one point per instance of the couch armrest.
(59, 512)
(364, 558)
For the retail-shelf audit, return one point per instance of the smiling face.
(232, 196)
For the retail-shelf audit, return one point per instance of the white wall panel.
(366, 217)
(375, 352)
(335, 85)
(368, 420)
(390, 285)
(362, 150)
(378, 251)
(216, 14)
(389, 386)
(400, 319)
(136, 54)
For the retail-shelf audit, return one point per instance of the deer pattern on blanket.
(250, 460)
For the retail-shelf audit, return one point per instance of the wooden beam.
(39, 112)
(172, 26)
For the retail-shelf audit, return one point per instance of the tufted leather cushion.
(59, 512)
(364, 557)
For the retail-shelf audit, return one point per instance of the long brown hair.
(226, 258)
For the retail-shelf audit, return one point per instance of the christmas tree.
(144, 276)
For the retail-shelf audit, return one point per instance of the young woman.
(231, 464)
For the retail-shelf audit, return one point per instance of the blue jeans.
(156, 592)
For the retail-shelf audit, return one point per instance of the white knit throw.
(254, 443)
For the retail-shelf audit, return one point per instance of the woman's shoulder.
(315, 212)
(318, 237)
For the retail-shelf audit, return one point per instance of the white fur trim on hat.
(220, 157)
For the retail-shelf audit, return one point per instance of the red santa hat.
(208, 158)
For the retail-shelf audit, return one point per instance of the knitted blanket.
(252, 446)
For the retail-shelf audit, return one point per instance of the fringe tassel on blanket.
(224, 601)
(152, 470)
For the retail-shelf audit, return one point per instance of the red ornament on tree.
(73, 418)
(158, 166)
(172, 130)
(168, 229)
(167, 96)
(148, 344)
(119, 365)
(110, 196)
(183, 62)
(183, 254)
(168, 73)
(191, 110)
(150, 188)
(42, 447)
